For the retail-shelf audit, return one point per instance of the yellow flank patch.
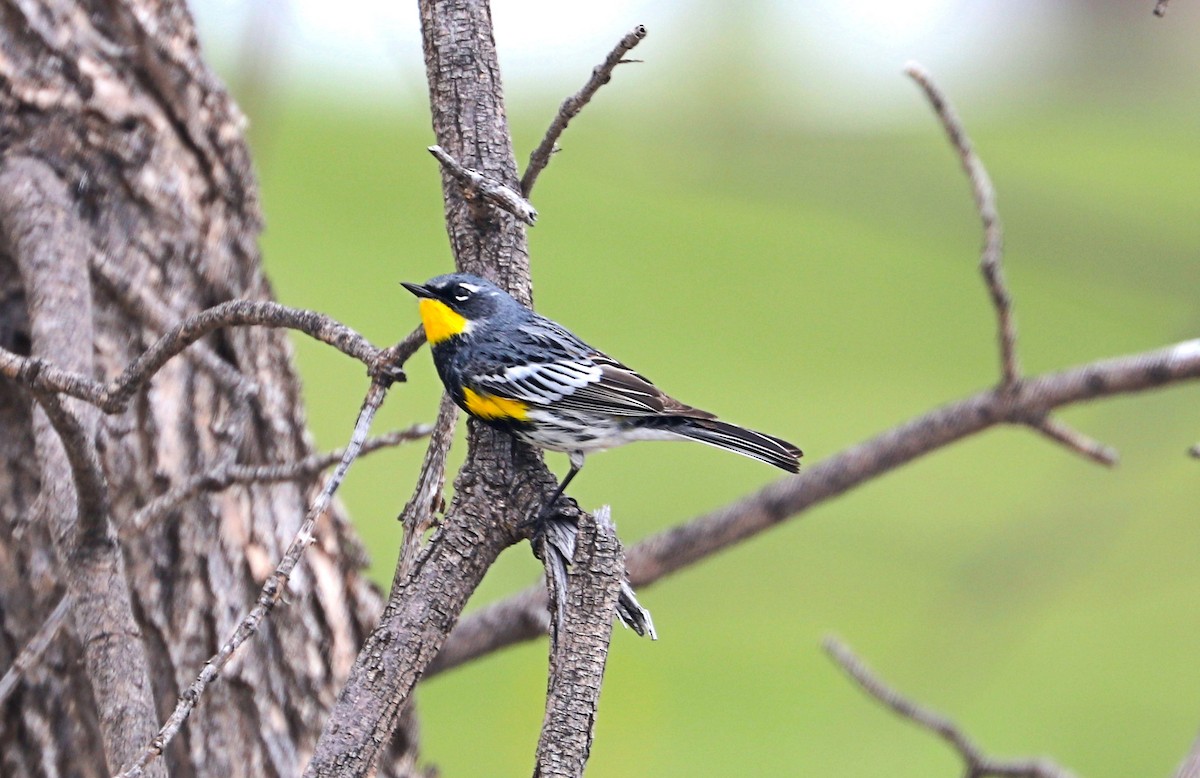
(441, 323)
(487, 406)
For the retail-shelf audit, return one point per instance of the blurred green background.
(785, 237)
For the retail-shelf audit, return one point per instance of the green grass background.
(820, 284)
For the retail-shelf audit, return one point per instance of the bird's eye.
(462, 292)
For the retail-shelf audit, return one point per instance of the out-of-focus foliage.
(821, 286)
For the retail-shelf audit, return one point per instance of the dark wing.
(571, 375)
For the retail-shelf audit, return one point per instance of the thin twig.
(421, 511)
(138, 302)
(990, 263)
(36, 646)
(1076, 441)
(993, 234)
(227, 474)
(516, 618)
(1160, 8)
(570, 108)
(271, 592)
(977, 764)
(475, 183)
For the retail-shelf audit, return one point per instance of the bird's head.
(455, 303)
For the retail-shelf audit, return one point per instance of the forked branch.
(976, 763)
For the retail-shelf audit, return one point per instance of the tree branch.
(977, 764)
(36, 646)
(50, 246)
(475, 184)
(272, 590)
(513, 620)
(570, 108)
(227, 474)
(42, 375)
(993, 233)
(579, 649)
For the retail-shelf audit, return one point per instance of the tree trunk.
(141, 154)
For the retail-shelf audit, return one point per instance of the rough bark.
(115, 105)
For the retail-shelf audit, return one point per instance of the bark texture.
(110, 108)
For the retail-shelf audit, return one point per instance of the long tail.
(740, 440)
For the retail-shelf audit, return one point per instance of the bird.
(518, 371)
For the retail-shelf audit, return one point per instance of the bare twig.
(476, 183)
(993, 234)
(993, 271)
(41, 375)
(420, 513)
(36, 646)
(270, 594)
(140, 303)
(571, 107)
(1160, 8)
(579, 649)
(1076, 441)
(683, 545)
(977, 764)
(227, 474)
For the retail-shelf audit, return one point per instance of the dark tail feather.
(740, 440)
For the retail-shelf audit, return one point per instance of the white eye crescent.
(465, 291)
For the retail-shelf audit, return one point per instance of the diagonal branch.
(977, 764)
(570, 108)
(515, 619)
(36, 646)
(272, 590)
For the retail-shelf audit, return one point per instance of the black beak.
(417, 289)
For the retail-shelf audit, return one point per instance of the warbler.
(518, 371)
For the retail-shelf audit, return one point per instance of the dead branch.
(36, 646)
(502, 480)
(476, 184)
(42, 375)
(49, 244)
(993, 233)
(227, 474)
(579, 649)
(420, 513)
(570, 108)
(977, 764)
(272, 590)
(683, 545)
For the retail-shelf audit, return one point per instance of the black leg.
(548, 507)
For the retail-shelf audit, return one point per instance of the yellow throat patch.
(487, 406)
(441, 323)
